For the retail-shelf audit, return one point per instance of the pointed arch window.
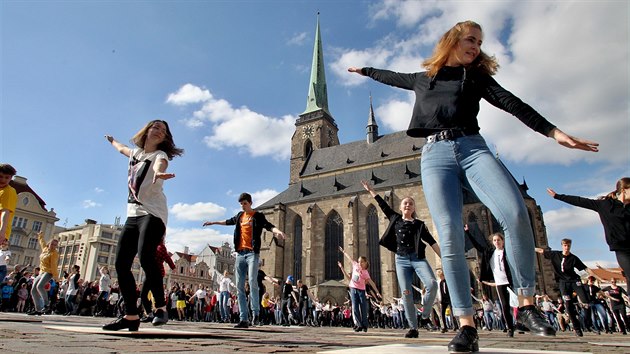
(374, 252)
(297, 248)
(308, 147)
(333, 239)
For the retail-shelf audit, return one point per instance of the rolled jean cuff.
(527, 292)
(463, 311)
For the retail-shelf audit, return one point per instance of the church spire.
(372, 127)
(317, 92)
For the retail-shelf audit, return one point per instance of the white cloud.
(195, 238)
(262, 196)
(573, 71)
(563, 220)
(197, 211)
(298, 39)
(188, 94)
(241, 128)
(98, 190)
(87, 204)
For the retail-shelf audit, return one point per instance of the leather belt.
(448, 134)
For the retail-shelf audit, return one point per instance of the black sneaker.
(159, 318)
(34, 313)
(122, 323)
(466, 341)
(357, 329)
(427, 324)
(147, 319)
(532, 319)
(510, 333)
(578, 332)
(242, 324)
(413, 333)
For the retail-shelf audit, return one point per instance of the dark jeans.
(566, 290)
(141, 235)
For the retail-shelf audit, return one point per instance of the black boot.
(413, 333)
(532, 319)
(466, 341)
(160, 318)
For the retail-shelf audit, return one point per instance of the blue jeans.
(223, 305)
(405, 267)
(603, 318)
(247, 264)
(448, 166)
(39, 294)
(359, 307)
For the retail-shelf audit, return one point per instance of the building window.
(15, 240)
(181, 270)
(37, 226)
(103, 259)
(201, 273)
(25, 201)
(333, 239)
(32, 243)
(19, 222)
(107, 235)
(75, 248)
(105, 247)
(28, 260)
(297, 248)
(374, 251)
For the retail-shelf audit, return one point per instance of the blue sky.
(231, 77)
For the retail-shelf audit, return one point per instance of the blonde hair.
(168, 145)
(483, 63)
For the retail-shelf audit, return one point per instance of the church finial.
(317, 93)
(372, 127)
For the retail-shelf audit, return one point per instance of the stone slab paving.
(73, 334)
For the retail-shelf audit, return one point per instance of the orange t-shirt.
(247, 231)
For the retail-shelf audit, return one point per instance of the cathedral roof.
(392, 160)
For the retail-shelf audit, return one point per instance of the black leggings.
(623, 258)
(504, 298)
(141, 235)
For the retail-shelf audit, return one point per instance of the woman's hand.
(551, 192)
(353, 69)
(573, 142)
(109, 138)
(162, 175)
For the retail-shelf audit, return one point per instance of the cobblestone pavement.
(24, 334)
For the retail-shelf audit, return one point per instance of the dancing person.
(147, 215)
(455, 156)
(494, 271)
(72, 290)
(104, 287)
(614, 213)
(224, 294)
(406, 237)
(48, 264)
(8, 201)
(564, 264)
(595, 308)
(288, 300)
(358, 279)
(618, 297)
(249, 225)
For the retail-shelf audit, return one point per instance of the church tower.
(315, 128)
